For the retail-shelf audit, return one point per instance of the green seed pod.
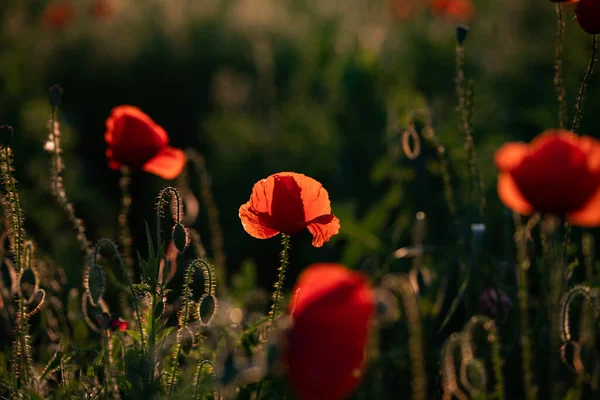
(185, 337)
(207, 308)
(7, 134)
(159, 308)
(95, 284)
(180, 237)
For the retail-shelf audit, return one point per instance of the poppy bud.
(180, 237)
(461, 34)
(103, 320)
(495, 303)
(95, 283)
(588, 16)
(7, 134)
(55, 92)
(207, 308)
(185, 337)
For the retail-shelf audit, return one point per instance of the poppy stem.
(125, 232)
(278, 293)
(109, 243)
(416, 346)
(212, 211)
(21, 356)
(583, 88)
(58, 189)
(465, 113)
(558, 64)
(522, 236)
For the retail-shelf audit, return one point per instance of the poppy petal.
(510, 155)
(133, 137)
(323, 228)
(331, 312)
(315, 198)
(511, 196)
(253, 224)
(167, 164)
(589, 215)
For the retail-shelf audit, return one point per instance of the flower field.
(299, 199)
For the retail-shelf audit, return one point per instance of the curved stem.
(583, 88)
(171, 193)
(198, 377)
(110, 243)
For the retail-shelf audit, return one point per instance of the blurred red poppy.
(456, 10)
(588, 15)
(288, 202)
(558, 173)
(405, 9)
(134, 140)
(119, 324)
(102, 8)
(331, 313)
(58, 15)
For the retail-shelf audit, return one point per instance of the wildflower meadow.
(299, 199)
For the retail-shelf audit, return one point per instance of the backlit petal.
(510, 155)
(323, 228)
(331, 311)
(167, 164)
(589, 215)
(511, 196)
(252, 223)
(133, 137)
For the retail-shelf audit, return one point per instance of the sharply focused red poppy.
(331, 313)
(135, 141)
(58, 15)
(457, 10)
(558, 173)
(588, 15)
(287, 203)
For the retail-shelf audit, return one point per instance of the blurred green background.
(262, 86)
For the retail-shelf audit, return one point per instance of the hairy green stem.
(522, 235)
(216, 230)
(110, 243)
(58, 190)
(416, 346)
(558, 64)
(278, 293)
(583, 88)
(125, 232)
(464, 109)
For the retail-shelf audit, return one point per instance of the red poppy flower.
(588, 15)
(456, 10)
(57, 15)
(558, 173)
(134, 140)
(288, 202)
(119, 324)
(331, 311)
